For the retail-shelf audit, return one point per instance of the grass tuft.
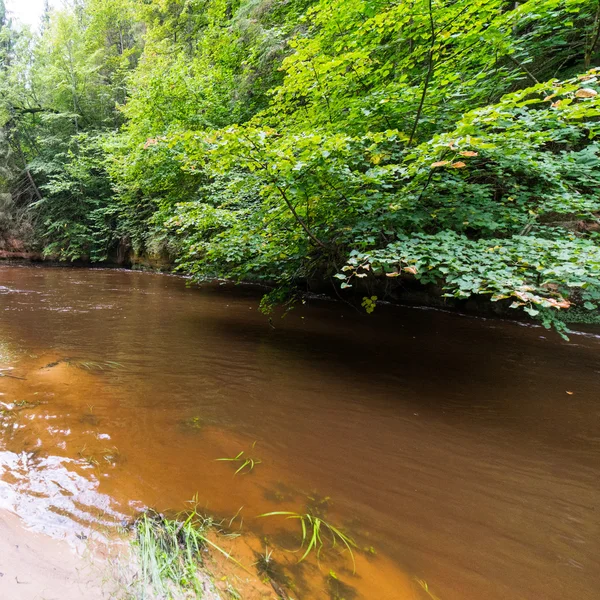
(264, 564)
(313, 529)
(245, 462)
(170, 551)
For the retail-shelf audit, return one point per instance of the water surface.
(465, 452)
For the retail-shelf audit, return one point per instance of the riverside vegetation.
(449, 142)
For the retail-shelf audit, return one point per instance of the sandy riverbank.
(36, 567)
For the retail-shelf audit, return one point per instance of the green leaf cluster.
(455, 143)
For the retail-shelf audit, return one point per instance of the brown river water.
(464, 451)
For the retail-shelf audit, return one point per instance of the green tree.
(361, 142)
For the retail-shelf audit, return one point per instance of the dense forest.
(362, 144)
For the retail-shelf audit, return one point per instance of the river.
(459, 451)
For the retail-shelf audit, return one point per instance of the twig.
(523, 67)
(590, 51)
(298, 218)
(427, 77)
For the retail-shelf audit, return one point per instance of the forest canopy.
(365, 144)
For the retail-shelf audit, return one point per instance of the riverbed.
(459, 452)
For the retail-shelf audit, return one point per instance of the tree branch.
(33, 111)
(589, 52)
(298, 218)
(430, 68)
(523, 67)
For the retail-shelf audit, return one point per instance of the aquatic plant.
(170, 550)
(271, 572)
(112, 456)
(313, 528)
(339, 590)
(425, 587)
(317, 504)
(232, 520)
(245, 461)
(25, 404)
(89, 419)
(232, 592)
(264, 563)
(370, 550)
(94, 365)
(169, 553)
(88, 457)
(193, 423)
(87, 365)
(280, 493)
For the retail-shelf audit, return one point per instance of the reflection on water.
(447, 446)
(51, 495)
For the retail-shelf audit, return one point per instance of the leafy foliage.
(528, 165)
(319, 140)
(75, 217)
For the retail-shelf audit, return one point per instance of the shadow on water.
(451, 367)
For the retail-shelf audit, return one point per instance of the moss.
(580, 315)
